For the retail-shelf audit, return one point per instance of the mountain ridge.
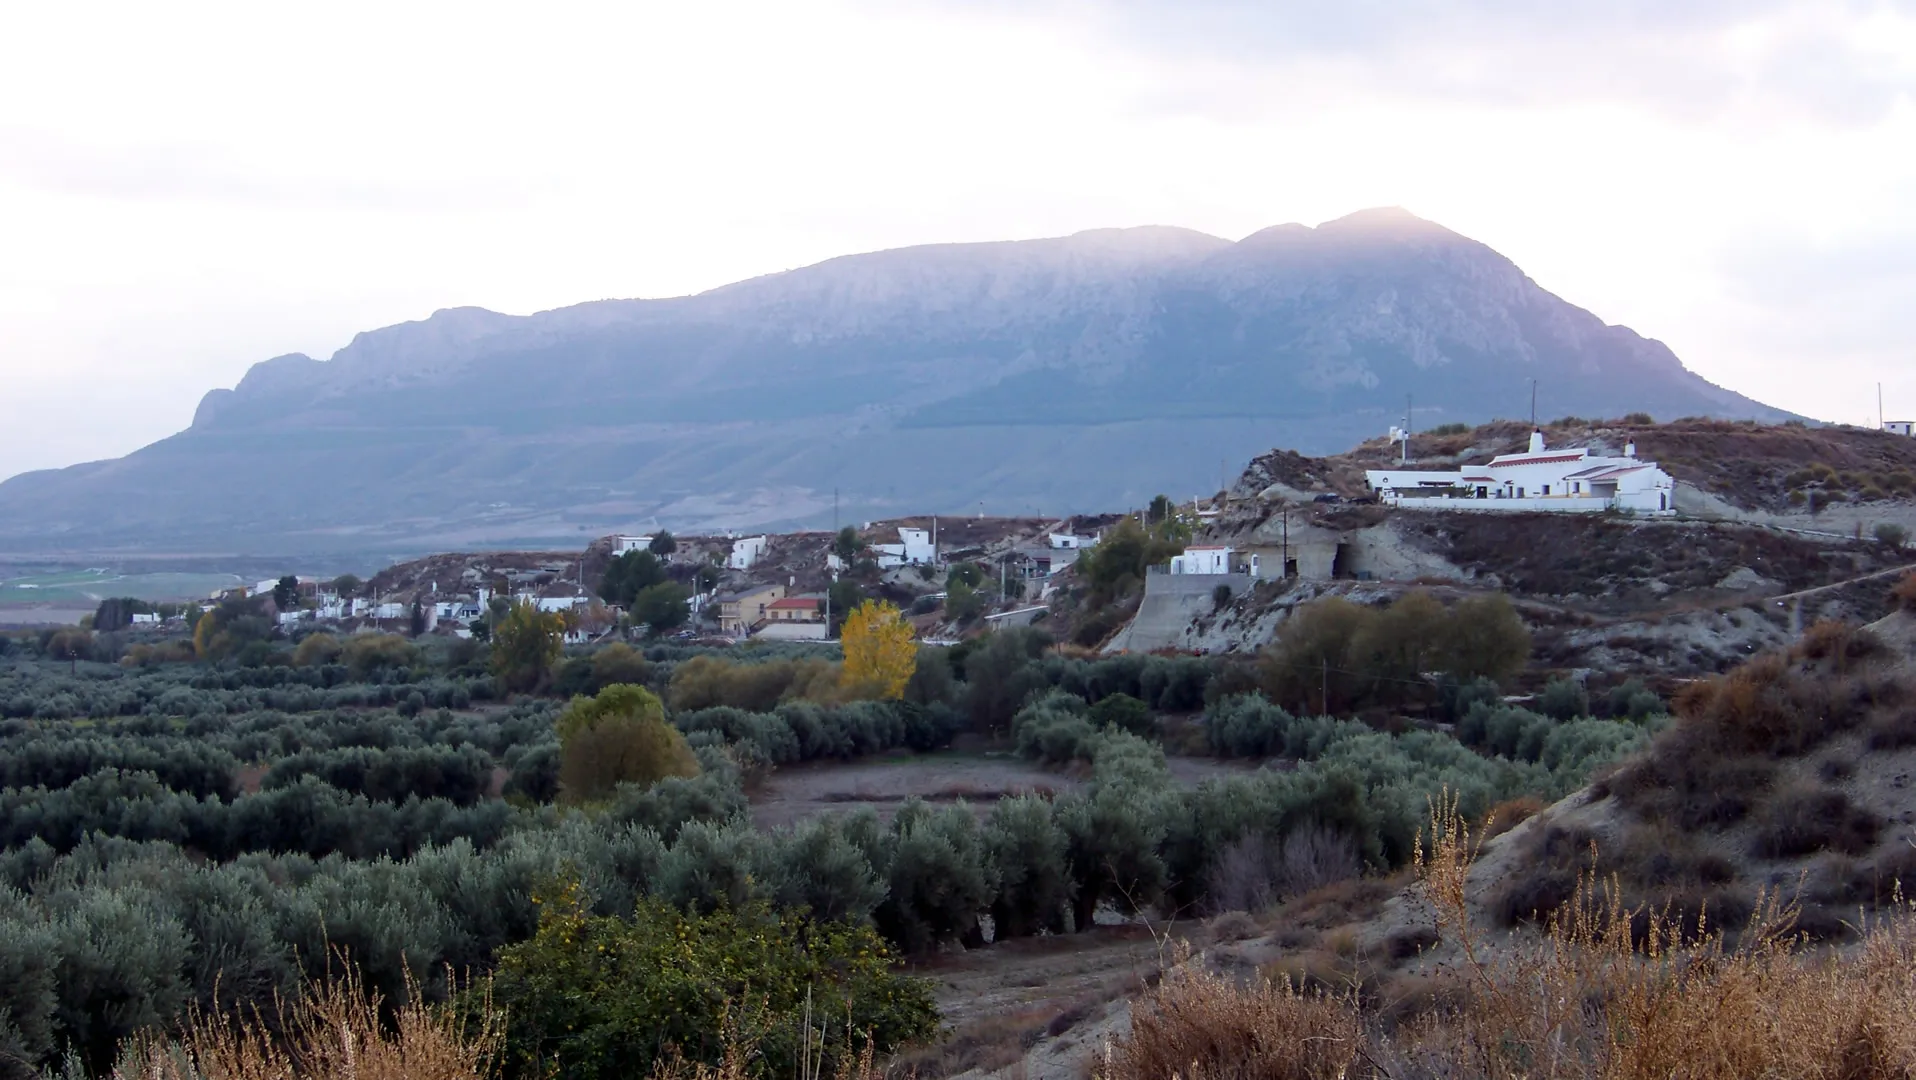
(1084, 372)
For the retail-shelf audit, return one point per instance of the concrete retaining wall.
(1172, 602)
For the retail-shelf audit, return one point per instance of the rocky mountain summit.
(1086, 372)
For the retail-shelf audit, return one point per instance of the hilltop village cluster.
(798, 586)
(769, 586)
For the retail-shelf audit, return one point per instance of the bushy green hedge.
(595, 997)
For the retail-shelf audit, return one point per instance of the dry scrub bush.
(1254, 872)
(1607, 992)
(1905, 592)
(335, 1033)
(1715, 766)
(1511, 813)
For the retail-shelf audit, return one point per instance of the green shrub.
(940, 881)
(1455, 697)
(817, 869)
(1054, 729)
(594, 997)
(1122, 712)
(619, 663)
(618, 737)
(1506, 730)
(1000, 675)
(669, 805)
(535, 774)
(1632, 700)
(1246, 726)
(1115, 827)
(1563, 699)
(368, 654)
(1332, 655)
(1026, 848)
(711, 866)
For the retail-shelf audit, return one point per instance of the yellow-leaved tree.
(203, 633)
(618, 737)
(880, 653)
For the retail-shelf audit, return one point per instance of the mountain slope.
(1077, 373)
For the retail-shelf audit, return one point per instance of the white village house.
(1565, 481)
(915, 548)
(1215, 559)
(746, 551)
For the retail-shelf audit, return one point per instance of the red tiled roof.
(1605, 472)
(1540, 459)
(791, 602)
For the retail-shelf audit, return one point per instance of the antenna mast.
(1533, 404)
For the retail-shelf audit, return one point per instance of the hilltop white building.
(914, 548)
(746, 551)
(1565, 481)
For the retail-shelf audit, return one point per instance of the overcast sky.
(188, 189)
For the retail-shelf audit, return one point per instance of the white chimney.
(1536, 441)
(1629, 449)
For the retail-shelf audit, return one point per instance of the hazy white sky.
(188, 189)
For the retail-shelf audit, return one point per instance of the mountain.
(1079, 373)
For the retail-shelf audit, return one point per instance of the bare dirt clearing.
(797, 792)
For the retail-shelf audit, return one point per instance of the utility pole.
(1284, 571)
(1533, 404)
(1324, 687)
(1879, 406)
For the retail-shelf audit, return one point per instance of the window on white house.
(1546, 489)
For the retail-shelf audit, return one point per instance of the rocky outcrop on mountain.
(1087, 372)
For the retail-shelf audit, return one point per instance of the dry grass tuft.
(334, 1033)
(1197, 1024)
(1608, 992)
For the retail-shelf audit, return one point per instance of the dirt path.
(1800, 593)
(801, 791)
(797, 792)
(1037, 1008)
